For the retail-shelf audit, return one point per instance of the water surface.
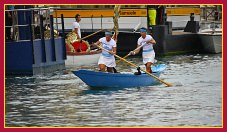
(61, 99)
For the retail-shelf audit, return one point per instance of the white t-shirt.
(107, 45)
(148, 46)
(76, 25)
(107, 58)
(148, 51)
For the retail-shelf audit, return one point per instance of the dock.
(28, 55)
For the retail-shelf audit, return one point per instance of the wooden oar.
(169, 85)
(130, 54)
(88, 36)
(91, 34)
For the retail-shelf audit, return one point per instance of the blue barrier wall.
(38, 53)
(34, 56)
(48, 53)
(59, 47)
(49, 50)
(18, 57)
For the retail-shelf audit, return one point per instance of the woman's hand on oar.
(169, 85)
(132, 52)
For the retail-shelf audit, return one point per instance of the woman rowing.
(107, 59)
(148, 51)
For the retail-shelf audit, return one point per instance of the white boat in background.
(211, 38)
(79, 53)
(82, 58)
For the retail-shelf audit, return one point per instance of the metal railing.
(35, 14)
(35, 18)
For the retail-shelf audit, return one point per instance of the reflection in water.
(64, 100)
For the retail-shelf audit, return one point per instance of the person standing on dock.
(107, 59)
(76, 26)
(148, 51)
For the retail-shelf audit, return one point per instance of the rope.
(115, 20)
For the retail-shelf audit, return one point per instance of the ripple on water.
(64, 100)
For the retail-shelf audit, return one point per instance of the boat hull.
(111, 80)
(82, 59)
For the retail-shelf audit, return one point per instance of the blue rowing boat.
(105, 79)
